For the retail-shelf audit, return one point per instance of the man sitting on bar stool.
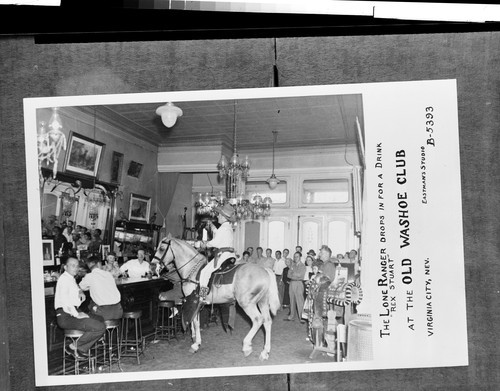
(103, 291)
(68, 297)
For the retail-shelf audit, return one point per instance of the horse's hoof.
(264, 356)
(194, 348)
(247, 352)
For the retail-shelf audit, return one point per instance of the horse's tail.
(274, 298)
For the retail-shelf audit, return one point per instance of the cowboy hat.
(227, 211)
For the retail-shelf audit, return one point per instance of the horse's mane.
(185, 244)
(193, 252)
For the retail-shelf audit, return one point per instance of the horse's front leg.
(195, 334)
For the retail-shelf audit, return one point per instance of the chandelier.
(235, 173)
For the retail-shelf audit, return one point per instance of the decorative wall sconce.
(68, 200)
(51, 142)
(96, 198)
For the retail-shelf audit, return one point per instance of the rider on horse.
(221, 244)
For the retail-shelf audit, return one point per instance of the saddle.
(193, 304)
(224, 275)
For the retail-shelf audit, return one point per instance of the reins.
(193, 269)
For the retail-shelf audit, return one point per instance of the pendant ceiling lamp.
(272, 180)
(169, 114)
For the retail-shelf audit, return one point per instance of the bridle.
(192, 271)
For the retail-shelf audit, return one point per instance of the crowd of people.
(294, 273)
(71, 240)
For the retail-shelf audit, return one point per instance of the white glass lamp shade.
(169, 114)
(273, 182)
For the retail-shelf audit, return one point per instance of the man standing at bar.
(103, 291)
(136, 268)
(68, 297)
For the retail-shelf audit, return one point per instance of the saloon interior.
(128, 171)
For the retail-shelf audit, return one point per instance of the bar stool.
(110, 345)
(165, 321)
(131, 347)
(72, 337)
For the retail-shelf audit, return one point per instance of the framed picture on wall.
(48, 252)
(116, 167)
(134, 169)
(139, 208)
(83, 155)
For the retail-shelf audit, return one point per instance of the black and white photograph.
(307, 230)
(267, 195)
(48, 252)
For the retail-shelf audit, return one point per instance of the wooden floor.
(290, 345)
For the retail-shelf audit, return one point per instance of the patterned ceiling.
(301, 122)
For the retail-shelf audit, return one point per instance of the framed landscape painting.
(139, 208)
(83, 155)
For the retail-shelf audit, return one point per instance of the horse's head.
(182, 254)
(164, 253)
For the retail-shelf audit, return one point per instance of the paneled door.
(336, 231)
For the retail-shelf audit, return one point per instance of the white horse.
(253, 287)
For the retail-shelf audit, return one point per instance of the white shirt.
(279, 265)
(134, 268)
(102, 286)
(67, 294)
(309, 269)
(223, 236)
